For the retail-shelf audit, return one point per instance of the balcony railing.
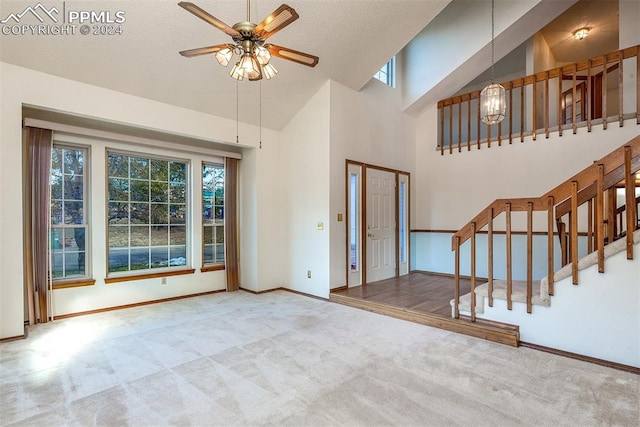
(585, 93)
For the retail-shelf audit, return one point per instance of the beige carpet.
(284, 359)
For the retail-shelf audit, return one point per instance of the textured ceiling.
(353, 39)
(599, 16)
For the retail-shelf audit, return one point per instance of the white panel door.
(381, 227)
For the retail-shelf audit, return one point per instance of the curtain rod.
(59, 127)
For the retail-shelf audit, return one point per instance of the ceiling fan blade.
(205, 16)
(203, 50)
(292, 55)
(279, 18)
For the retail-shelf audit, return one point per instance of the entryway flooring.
(419, 291)
(424, 298)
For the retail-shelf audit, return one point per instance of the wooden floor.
(419, 291)
(424, 298)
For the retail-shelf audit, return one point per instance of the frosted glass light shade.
(224, 56)
(249, 67)
(262, 55)
(269, 71)
(493, 104)
(236, 72)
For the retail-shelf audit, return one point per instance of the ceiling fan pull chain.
(261, 114)
(237, 113)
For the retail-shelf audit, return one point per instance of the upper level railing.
(590, 186)
(580, 94)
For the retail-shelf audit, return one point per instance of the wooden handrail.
(589, 192)
(585, 179)
(598, 61)
(589, 96)
(587, 186)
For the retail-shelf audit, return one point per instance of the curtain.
(37, 212)
(231, 223)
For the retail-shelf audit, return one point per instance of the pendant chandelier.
(493, 100)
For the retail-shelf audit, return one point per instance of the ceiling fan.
(249, 43)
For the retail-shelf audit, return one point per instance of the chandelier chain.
(492, 39)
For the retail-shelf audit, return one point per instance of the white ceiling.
(599, 16)
(353, 39)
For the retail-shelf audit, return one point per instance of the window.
(69, 223)
(354, 213)
(402, 213)
(213, 213)
(147, 212)
(386, 74)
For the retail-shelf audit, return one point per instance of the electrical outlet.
(308, 274)
(163, 281)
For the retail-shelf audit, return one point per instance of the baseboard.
(137, 304)
(304, 294)
(340, 288)
(261, 292)
(435, 273)
(16, 338)
(589, 359)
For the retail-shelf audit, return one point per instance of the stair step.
(518, 294)
(540, 291)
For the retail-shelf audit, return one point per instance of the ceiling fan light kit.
(249, 43)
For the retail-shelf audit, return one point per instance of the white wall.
(366, 126)
(598, 318)
(304, 186)
(451, 189)
(23, 86)
(456, 46)
(540, 58)
(455, 35)
(629, 35)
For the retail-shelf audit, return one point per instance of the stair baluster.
(596, 186)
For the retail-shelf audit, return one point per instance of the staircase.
(540, 292)
(591, 228)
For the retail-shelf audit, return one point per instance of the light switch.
(320, 225)
(339, 217)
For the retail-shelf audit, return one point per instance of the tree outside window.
(213, 213)
(68, 219)
(147, 212)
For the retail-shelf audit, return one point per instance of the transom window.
(386, 74)
(213, 213)
(69, 223)
(147, 212)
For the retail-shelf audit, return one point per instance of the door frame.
(362, 229)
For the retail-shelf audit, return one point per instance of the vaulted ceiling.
(353, 39)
